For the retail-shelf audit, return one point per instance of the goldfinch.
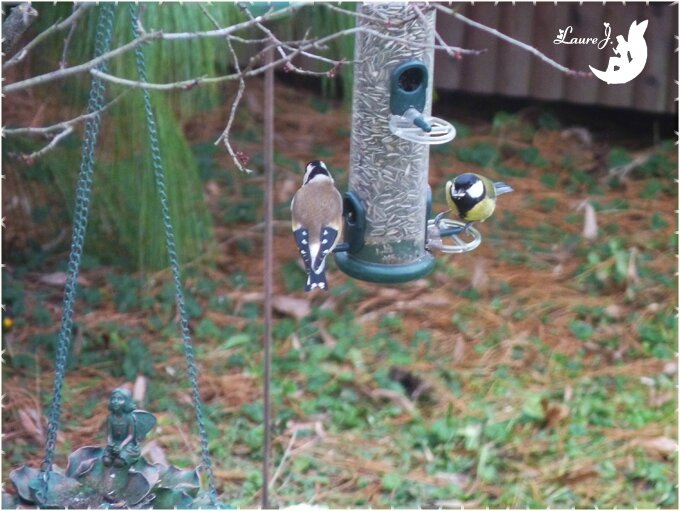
(317, 221)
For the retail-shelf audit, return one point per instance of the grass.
(538, 372)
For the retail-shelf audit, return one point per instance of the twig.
(193, 82)
(374, 19)
(64, 124)
(289, 66)
(223, 32)
(30, 158)
(67, 42)
(450, 51)
(62, 129)
(149, 36)
(234, 106)
(509, 39)
(16, 23)
(21, 54)
(286, 455)
(81, 68)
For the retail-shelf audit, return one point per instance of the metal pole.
(268, 265)
(387, 173)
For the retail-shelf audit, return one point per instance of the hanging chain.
(174, 261)
(80, 215)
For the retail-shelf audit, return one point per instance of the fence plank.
(479, 72)
(505, 69)
(547, 82)
(651, 89)
(513, 63)
(620, 17)
(447, 71)
(587, 20)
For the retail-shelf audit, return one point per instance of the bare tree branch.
(510, 40)
(62, 129)
(313, 44)
(222, 32)
(30, 158)
(145, 37)
(450, 50)
(81, 68)
(289, 66)
(44, 130)
(21, 54)
(286, 51)
(234, 106)
(67, 42)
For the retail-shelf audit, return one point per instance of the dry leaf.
(582, 135)
(327, 338)
(154, 452)
(458, 348)
(139, 390)
(398, 398)
(480, 279)
(299, 308)
(614, 311)
(660, 399)
(554, 413)
(589, 220)
(579, 474)
(661, 445)
(59, 279)
(457, 478)
(31, 420)
(449, 504)
(670, 368)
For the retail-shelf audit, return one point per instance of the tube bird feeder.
(388, 202)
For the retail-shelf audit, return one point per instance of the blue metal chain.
(174, 261)
(80, 216)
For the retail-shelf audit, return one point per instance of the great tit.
(473, 197)
(317, 221)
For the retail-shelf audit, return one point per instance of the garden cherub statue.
(126, 427)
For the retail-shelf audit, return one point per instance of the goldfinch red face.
(316, 169)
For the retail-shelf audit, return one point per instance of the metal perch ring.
(440, 229)
(442, 131)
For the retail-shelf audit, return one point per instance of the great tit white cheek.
(476, 190)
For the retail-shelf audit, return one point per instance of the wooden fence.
(508, 70)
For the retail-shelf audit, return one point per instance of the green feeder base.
(385, 273)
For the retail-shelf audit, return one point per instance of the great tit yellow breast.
(473, 209)
(480, 211)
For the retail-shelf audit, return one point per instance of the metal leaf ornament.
(115, 476)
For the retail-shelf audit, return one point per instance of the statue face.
(119, 399)
(117, 402)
